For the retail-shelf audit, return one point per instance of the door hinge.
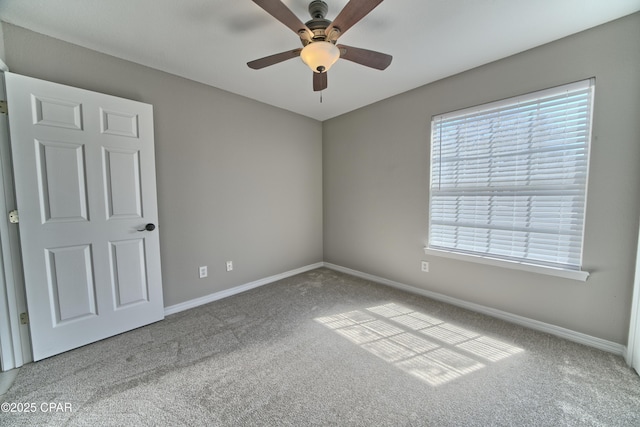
(24, 318)
(4, 108)
(13, 217)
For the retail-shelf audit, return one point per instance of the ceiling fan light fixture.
(320, 56)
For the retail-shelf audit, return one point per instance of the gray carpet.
(325, 348)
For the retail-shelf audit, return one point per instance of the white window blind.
(508, 179)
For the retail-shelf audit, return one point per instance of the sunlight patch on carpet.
(419, 344)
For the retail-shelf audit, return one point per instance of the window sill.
(581, 276)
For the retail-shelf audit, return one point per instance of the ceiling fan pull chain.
(320, 97)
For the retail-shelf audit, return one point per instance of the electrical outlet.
(229, 265)
(202, 271)
(424, 266)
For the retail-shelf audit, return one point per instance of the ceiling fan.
(319, 36)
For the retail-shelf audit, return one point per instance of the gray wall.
(376, 175)
(2, 55)
(237, 180)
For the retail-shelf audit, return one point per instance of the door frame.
(633, 343)
(15, 341)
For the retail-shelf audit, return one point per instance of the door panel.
(71, 285)
(128, 272)
(119, 123)
(84, 168)
(122, 178)
(56, 112)
(61, 181)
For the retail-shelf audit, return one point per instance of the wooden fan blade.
(273, 59)
(368, 58)
(319, 81)
(282, 13)
(354, 11)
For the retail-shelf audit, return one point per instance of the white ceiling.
(210, 41)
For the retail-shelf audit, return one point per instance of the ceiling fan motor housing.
(318, 10)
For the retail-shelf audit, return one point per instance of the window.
(508, 179)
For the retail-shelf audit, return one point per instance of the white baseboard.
(558, 331)
(176, 308)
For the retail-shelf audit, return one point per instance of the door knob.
(149, 227)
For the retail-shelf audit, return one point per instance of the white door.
(84, 170)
